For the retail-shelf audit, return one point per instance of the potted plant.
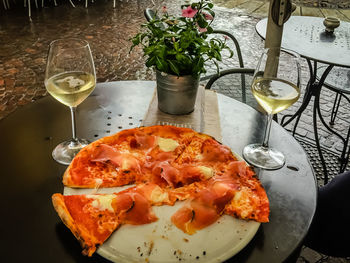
(178, 47)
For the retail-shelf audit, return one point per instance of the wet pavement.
(24, 45)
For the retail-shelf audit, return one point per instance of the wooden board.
(296, 11)
(251, 6)
(233, 4)
(263, 10)
(310, 11)
(329, 12)
(346, 13)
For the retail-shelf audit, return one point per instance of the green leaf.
(173, 67)
(150, 62)
(202, 22)
(161, 65)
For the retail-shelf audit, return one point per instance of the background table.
(31, 231)
(306, 36)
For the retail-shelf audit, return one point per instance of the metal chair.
(338, 80)
(6, 4)
(237, 83)
(151, 14)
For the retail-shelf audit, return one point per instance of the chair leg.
(36, 4)
(55, 2)
(25, 3)
(4, 3)
(29, 10)
(114, 3)
(70, 3)
(86, 3)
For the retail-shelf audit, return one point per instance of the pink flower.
(189, 12)
(164, 9)
(208, 17)
(202, 29)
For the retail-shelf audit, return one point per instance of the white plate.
(162, 242)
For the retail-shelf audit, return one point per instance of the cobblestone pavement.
(23, 51)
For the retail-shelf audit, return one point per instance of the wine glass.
(70, 78)
(276, 86)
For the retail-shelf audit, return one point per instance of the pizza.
(160, 165)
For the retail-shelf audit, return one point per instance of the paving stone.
(310, 255)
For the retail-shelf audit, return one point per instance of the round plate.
(163, 242)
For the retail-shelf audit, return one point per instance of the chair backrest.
(233, 82)
(150, 15)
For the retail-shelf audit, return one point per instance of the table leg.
(335, 108)
(314, 118)
(344, 157)
(317, 110)
(314, 89)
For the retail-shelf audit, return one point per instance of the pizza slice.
(250, 201)
(127, 157)
(237, 193)
(205, 149)
(93, 218)
(90, 218)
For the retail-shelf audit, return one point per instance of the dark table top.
(31, 231)
(306, 36)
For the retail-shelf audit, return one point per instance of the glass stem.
(74, 126)
(267, 131)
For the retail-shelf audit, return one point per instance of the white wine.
(71, 88)
(274, 95)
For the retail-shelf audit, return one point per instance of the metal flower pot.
(176, 95)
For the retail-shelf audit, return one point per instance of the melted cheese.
(159, 196)
(102, 202)
(237, 196)
(206, 171)
(199, 157)
(241, 201)
(125, 164)
(98, 181)
(167, 145)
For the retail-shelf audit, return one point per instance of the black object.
(330, 230)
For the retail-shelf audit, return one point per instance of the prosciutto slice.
(123, 160)
(133, 208)
(207, 205)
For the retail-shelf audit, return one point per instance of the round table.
(306, 36)
(33, 232)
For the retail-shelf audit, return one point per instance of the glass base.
(263, 157)
(65, 151)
